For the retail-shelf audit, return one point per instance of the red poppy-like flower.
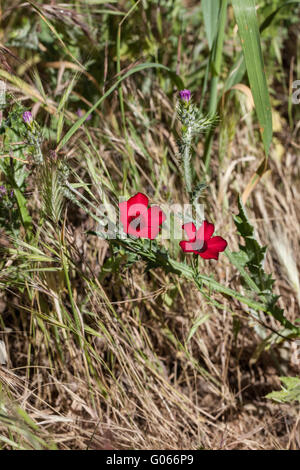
(138, 219)
(201, 242)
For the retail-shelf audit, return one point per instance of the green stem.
(187, 160)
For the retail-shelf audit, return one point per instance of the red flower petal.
(217, 244)
(138, 220)
(205, 231)
(209, 254)
(139, 198)
(187, 247)
(156, 216)
(134, 207)
(190, 230)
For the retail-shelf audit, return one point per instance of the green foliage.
(23, 432)
(138, 68)
(63, 295)
(210, 17)
(250, 263)
(290, 391)
(193, 123)
(13, 207)
(251, 254)
(25, 35)
(245, 13)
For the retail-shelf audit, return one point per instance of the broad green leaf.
(246, 18)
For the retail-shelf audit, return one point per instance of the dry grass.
(141, 387)
(125, 377)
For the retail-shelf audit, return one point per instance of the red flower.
(138, 219)
(201, 241)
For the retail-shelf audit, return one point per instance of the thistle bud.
(185, 95)
(27, 117)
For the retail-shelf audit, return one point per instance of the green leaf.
(270, 18)
(290, 391)
(199, 321)
(238, 69)
(250, 263)
(22, 206)
(251, 255)
(245, 13)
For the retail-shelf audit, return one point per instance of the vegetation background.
(96, 351)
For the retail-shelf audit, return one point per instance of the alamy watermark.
(2, 93)
(136, 219)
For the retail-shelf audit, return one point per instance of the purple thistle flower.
(27, 117)
(185, 95)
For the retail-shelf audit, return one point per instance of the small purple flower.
(185, 95)
(2, 191)
(81, 113)
(27, 117)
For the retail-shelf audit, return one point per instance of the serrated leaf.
(290, 391)
(250, 263)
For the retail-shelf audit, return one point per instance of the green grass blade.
(246, 18)
(238, 69)
(22, 206)
(210, 15)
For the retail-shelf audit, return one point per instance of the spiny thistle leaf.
(191, 117)
(250, 262)
(253, 254)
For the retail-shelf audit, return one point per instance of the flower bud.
(27, 117)
(185, 95)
